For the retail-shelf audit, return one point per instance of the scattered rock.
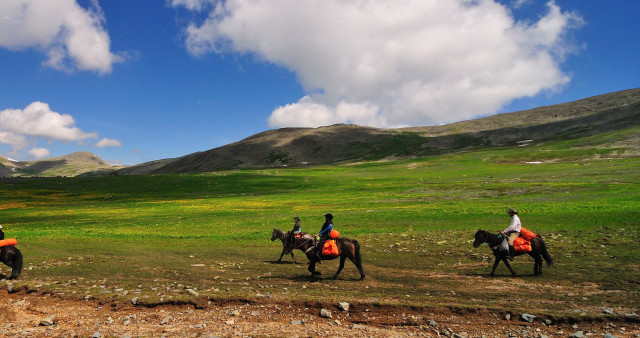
(527, 317)
(135, 301)
(48, 320)
(579, 334)
(507, 316)
(324, 313)
(609, 335)
(296, 322)
(344, 306)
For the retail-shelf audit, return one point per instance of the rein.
(303, 243)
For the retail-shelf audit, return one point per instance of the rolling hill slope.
(70, 165)
(615, 115)
(609, 121)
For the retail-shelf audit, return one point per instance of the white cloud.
(72, 37)
(391, 63)
(39, 153)
(21, 127)
(105, 142)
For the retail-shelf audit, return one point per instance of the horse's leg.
(342, 259)
(513, 273)
(281, 255)
(293, 258)
(537, 267)
(495, 265)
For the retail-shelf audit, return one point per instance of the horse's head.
(480, 238)
(274, 234)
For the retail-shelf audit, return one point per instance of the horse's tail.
(545, 253)
(16, 267)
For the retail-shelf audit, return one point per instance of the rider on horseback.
(324, 235)
(513, 231)
(297, 228)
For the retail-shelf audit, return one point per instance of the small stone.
(135, 301)
(344, 306)
(48, 320)
(97, 334)
(608, 311)
(433, 323)
(296, 322)
(358, 327)
(165, 320)
(527, 317)
(579, 334)
(192, 292)
(609, 335)
(324, 313)
(507, 316)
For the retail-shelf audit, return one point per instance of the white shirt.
(514, 226)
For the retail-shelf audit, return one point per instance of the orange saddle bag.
(8, 241)
(330, 248)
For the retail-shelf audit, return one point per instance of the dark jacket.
(1, 235)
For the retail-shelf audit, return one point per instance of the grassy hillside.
(154, 237)
(615, 115)
(70, 165)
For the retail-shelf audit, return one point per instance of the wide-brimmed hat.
(512, 210)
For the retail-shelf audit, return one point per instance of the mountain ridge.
(615, 115)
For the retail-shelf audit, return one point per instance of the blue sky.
(136, 81)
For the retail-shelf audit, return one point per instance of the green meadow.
(180, 238)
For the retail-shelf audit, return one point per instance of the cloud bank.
(391, 63)
(22, 128)
(72, 37)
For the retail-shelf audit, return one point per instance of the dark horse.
(11, 256)
(347, 248)
(538, 251)
(284, 237)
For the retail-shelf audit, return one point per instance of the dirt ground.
(40, 314)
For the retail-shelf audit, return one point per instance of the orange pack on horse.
(530, 244)
(345, 248)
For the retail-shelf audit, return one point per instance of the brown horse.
(347, 248)
(12, 257)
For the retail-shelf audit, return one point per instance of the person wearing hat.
(324, 235)
(297, 228)
(1, 233)
(513, 231)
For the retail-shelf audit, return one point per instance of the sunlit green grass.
(153, 237)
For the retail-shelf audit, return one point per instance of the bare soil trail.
(39, 314)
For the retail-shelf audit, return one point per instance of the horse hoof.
(317, 273)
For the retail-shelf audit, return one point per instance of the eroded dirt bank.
(37, 314)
